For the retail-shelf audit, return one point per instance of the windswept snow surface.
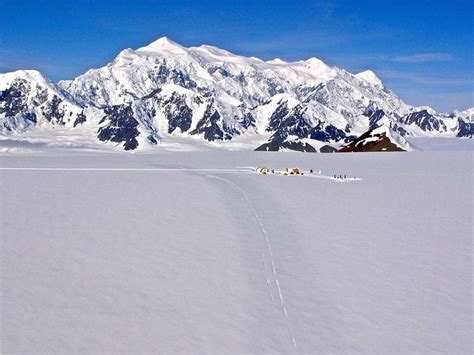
(207, 258)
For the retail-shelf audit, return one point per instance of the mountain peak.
(29, 75)
(370, 77)
(315, 61)
(469, 111)
(162, 44)
(277, 61)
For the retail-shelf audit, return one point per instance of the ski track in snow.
(119, 169)
(238, 170)
(269, 251)
(405, 290)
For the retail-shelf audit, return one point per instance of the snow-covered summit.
(163, 44)
(277, 61)
(370, 77)
(468, 113)
(32, 76)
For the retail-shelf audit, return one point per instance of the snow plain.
(182, 252)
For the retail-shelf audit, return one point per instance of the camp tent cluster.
(292, 171)
(286, 172)
(263, 171)
(299, 172)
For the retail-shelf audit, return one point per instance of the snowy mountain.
(147, 95)
(28, 99)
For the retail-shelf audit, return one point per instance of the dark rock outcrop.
(426, 121)
(178, 113)
(80, 119)
(374, 140)
(374, 115)
(277, 146)
(465, 128)
(12, 100)
(327, 133)
(247, 121)
(209, 125)
(52, 112)
(327, 149)
(286, 122)
(121, 126)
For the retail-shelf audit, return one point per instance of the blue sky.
(423, 50)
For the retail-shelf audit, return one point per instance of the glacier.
(171, 252)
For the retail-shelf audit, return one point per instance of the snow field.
(179, 252)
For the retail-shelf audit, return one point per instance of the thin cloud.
(441, 101)
(413, 77)
(49, 67)
(308, 42)
(423, 58)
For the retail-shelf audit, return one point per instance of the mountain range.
(164, 89)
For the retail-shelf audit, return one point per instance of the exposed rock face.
(329, 133)
(80, 119)
(299, 122)
(465, 128)
(380, 139)
(178, 113)
(120, 126)
(212, 93)
(28, 99)
(53, 112)
(212, 127)
(424, 120)
(277, 146)
(288, 122)
(374, 117)
(327, 149)
(13, 99)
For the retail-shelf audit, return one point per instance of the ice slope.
(220, 261)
